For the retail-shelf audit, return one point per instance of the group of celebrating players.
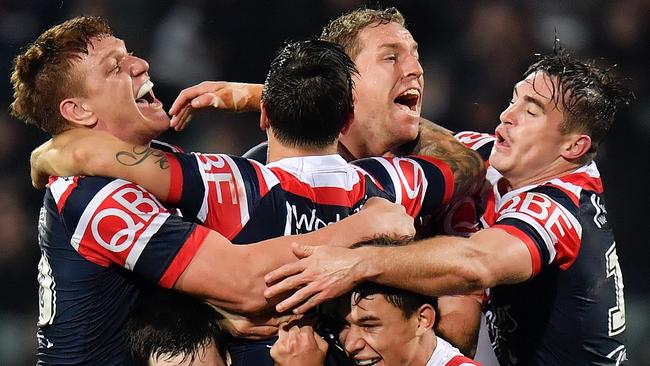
(359, 233)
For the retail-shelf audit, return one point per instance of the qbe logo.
(122, 218)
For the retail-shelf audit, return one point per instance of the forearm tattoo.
(467, 165)
(139, 154)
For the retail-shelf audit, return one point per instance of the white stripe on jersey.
(365, 174)
(269, 178)
(171, 148)
(392, 172)
(59, 187)
(144, 238)
(241, 189)
(93, 205)
(548, 240)
(568, 186)
(475, 139)
(320, 171)
(202, 215)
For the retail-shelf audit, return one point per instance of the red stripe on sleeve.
(176, 179)
(447, 174)
(535, 256)
(459, 360)
(184, 256)
(66, 194)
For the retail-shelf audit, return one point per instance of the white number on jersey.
(616, 318)
(46, 292)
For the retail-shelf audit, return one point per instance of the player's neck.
(428, 343)
(358, 147)
(278, 151)
(551, 172)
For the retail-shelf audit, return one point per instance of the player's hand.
(38, 172)
(382, 217)
(322, 273)
(58, 156)
(299, 345)
(223, 95)
(254, 328)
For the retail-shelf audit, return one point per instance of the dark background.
(472, 53)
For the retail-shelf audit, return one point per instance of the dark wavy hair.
(167, 324)
(408, 302)
(589, 95)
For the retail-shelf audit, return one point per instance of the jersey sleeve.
(217, 190)
(115, 222)
(482, 143)
(421, 184)
(545, 220)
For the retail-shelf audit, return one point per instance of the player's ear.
(426, 319)
(348, 123)
(77, 113)
(577, 147)
(264, 119)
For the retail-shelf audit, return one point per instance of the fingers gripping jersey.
(572, 310)
(97, 237)
(247, 202)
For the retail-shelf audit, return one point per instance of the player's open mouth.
(408, 99)
(372, 361)
(501, 140)
(145, 95)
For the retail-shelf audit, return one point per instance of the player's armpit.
(467, 165)
(97, 153)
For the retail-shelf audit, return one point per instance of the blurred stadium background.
(472, 53)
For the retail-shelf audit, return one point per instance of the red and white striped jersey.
(247, 201)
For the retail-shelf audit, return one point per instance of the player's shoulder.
(79, 195)
(480, 142)
(447, 355)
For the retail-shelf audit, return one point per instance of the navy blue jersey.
(572, 311)
(101, 240)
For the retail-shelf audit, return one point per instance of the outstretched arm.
(438, 266)
(436, 141)
(232, 276)
(223, 95)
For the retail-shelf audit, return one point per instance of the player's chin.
(407, 128)
(159, 121)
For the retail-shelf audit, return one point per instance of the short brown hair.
(589, 94)
(41, 75)
(345, 29)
